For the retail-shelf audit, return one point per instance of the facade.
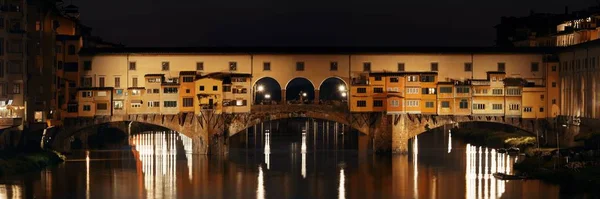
(579, 80)
(516, 83)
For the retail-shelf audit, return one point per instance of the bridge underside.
(209, 131)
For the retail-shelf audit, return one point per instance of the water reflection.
(161, 165)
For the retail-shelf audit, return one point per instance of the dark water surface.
(160, 166)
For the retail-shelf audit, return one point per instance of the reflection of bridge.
(209, 131)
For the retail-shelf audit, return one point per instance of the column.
(316, 100)
(283, 100)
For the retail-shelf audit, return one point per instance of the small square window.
(434, 66)
(333, 66)
(201, 88)
(267, 66)
(87, 65)
(215, 88)
(468, 67)
(299, 66)
(165, 66)
(401, 67)
(200, 66)
(367, 67)
(232, 66)
(501, 66)
(535, 67)
(553, 84)
(132, 66)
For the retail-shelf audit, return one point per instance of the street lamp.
(304, 94)
(260, 88)
(344, 94)
(267, 96)
(342, 88)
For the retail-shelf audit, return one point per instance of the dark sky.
(306, 22)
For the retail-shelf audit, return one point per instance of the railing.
(5, 122)
(329, 108)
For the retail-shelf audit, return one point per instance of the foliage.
(12, 162)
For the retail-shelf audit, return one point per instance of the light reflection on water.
(161, 165)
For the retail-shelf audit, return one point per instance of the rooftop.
(316, 50)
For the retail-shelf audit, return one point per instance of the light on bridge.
(303, 94)
(267, 96)
(344, 94)
(342, 88)
(260, 88)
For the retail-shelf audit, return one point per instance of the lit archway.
(333, 89)
(266, 91)
(300, 90)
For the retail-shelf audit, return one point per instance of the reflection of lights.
(449, 142)
(268, 150)
(303, 151)
(157, 154)
(15, 191)
(87, 174)
(341, 88)
(415, 166)
(267, 96)
(342, 186)
(260, 189)
(481, 164)
(260, 88)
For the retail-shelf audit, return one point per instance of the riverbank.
(13, 162)
(494, 138)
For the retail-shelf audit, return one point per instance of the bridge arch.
(300, 87)
(266, 88)
(333, 88)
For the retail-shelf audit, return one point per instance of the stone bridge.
(210, 131)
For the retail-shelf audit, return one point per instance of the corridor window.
(299, 66)
(199, 66)
(445, 104)
(361, 103)
(165, 66)
(215, 88)
(535, 67)
(132, 65)
(134, 82)
(468, 67)
(378, 103)
(401, 67)
(101, 82)
(434, 66)
(170, 104)
(201, 88)
(501, 66)
(367, 66)
(117, 82)
(497, 106)
(188, 102)
(232, 66)
(333, 66)
(266, 66)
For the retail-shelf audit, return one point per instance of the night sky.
(178, 23)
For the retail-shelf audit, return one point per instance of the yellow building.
(187, 91)
(361, 94)
(95, 101)
(445, 98)
(428, 92)
(552, 89)
(152, 96)
(377, 83)
(209, 94)
(236, 93)
(534, 102)
(412, 93)
(462, 97)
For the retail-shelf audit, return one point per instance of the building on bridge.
(431, 81)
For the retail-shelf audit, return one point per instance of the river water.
(159, 165)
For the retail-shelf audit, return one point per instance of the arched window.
(71, 49)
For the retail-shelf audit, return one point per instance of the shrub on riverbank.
(494, 138)
(585, 179)
(12, 162)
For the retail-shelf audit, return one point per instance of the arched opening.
(299, 91)
(293, 134)
(333, 89)
(266, 91)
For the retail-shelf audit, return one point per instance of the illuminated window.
(527, 109)
(412, 78)
(135, 92)
(16, 88)
(38, 116)
(118, 105)
(153, 104)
